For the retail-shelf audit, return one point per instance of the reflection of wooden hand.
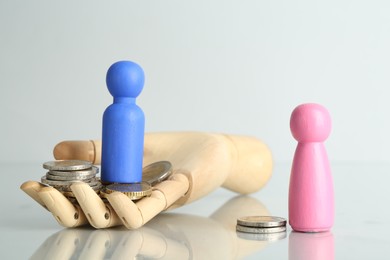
(167, 236)
(202, 162)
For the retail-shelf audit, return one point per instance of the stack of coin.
(63, 173)
(263, 226)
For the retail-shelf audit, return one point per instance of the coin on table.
(261, 221)
(156, 172)
(134, 191)
(260, 230)
(67, 165)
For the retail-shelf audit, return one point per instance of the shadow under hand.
(167, 236)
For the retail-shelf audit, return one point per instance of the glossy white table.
(206, 228)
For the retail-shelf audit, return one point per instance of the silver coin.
(58, 183)
(50, 176)
(90, 171)
(95, 185)
(44, 184)
(257, 230)
(67, 165)
(261, 221)
(91, 182)
(69, 193)
(156, 172)
(68, 189)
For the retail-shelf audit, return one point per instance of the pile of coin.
(63, 173)
(264, 227)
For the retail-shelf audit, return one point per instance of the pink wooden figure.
(311, 198)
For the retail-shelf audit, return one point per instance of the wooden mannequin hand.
(202, 162)
(88, 208)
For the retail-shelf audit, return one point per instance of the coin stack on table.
(63, 173)
(261, 227)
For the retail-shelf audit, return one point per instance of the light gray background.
(221, 66)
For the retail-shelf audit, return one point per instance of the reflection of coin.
(269, 237)
(90, 171)
(134, 191)
(261, 221)
(67, 165)
(257, 230)
(156, 172)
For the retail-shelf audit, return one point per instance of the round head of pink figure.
(310, 123)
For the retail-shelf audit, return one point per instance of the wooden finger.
(126, 209)
(135, 215)
(78, 150)
(98, 213)
(32, 188)
(66, 214)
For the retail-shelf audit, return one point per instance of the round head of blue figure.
(125, 79)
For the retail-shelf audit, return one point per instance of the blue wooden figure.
(123, 125)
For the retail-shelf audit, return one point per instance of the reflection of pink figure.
(311, 199)
(313, 246)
